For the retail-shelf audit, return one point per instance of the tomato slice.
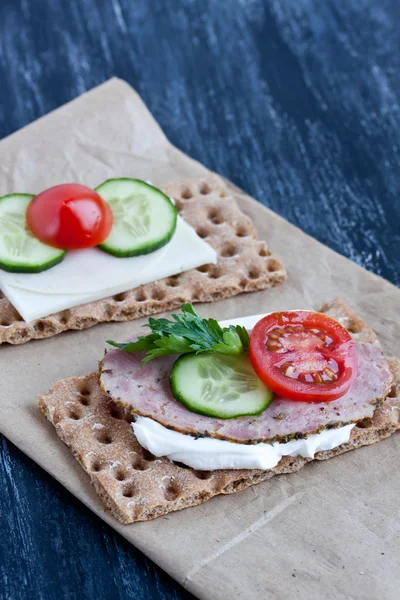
(303, 355)
(70, 216)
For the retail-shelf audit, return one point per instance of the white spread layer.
(211, 454)
(90, 274)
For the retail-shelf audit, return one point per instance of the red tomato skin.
(70, 216)
(293, 389)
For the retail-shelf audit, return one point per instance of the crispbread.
(135, 486)
(245, 264)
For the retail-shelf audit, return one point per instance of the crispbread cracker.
(135, 486)
(245, 264)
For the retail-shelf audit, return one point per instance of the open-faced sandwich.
(199, 408)
(72, 257)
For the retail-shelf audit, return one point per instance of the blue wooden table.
(296, 101)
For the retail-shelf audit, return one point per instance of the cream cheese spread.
(210, 454)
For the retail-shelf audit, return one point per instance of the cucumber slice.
(20, 251)
(144, 217)
(218, 385)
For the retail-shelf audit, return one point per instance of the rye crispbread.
(245, 264)
(135, 486)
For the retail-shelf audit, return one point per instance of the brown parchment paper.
(329, 531)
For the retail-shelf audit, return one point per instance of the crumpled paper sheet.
(330, 530)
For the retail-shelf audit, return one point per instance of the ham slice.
(145, 391)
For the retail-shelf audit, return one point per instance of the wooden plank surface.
(295, 101)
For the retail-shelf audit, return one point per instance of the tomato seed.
(273, 345)
(284, 366)
(290, 372)
(329, 373)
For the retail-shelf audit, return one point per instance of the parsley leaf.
(187, 332)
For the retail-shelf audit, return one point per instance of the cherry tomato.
(303, 355)
(70, 216)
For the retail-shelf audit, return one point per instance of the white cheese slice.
(88, 275)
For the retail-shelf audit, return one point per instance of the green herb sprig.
(187, 332)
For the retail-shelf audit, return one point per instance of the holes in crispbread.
(128, 417)
(365, 423)
(229, 250)
(85, 322)
(178, 205)
(148, 455)
(110, 311)
(85, 393)
(236, 485)
(120, 413)
(187, 193)
(197, 295)
(158, 294)
(215, 216)
(120, 474)
(141, 296)
(274, 265)
(120, 297)
(182, 466)
(263, 251)
(203, 268)
(205, 189)
(64, 317)
(254, 272)
(242, 231)
(393, 392)
(173, 282)
(117, 412)
(128, 491)
(215, 272)
(138, 464)
(84, 400)
(172, 491)
(11, 319)
(40, 326)
(202, 474)
(96, 466)
(103, 437)
(203, 232)
(76, 413)
(354, 326)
